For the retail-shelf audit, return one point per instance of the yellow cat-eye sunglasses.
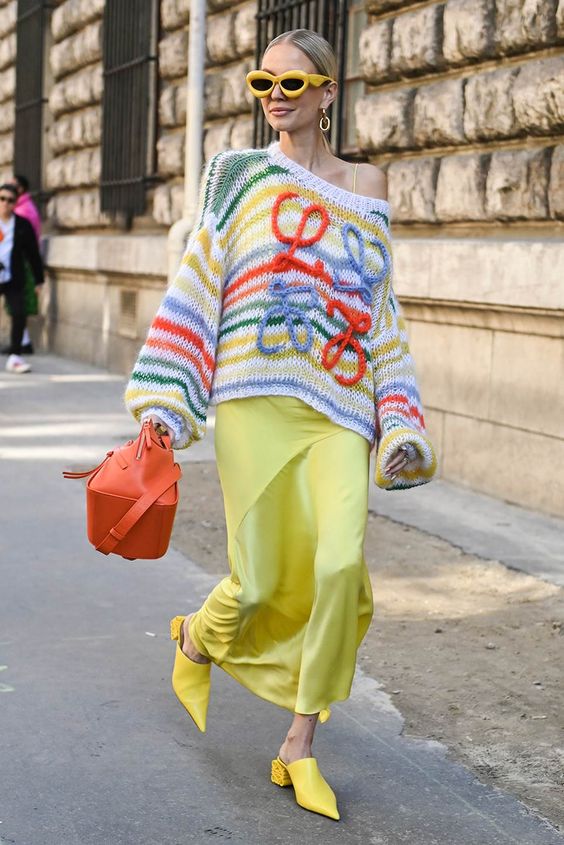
(293, 83)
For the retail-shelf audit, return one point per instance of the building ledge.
(125, 254)
(511, 273)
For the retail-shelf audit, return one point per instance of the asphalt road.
(94, 747)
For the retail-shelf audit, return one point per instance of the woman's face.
(285, 114)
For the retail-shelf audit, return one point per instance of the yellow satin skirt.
(287, 622)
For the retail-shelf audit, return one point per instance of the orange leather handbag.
(131, 497)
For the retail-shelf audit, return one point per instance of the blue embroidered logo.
(368, 280)
(294, 314)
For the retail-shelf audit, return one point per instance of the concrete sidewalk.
(95, 749)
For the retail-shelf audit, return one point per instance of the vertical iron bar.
(128, 125)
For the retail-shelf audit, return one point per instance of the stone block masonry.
(412, 186)
(468, 30)
(73, 16)
(7, 117)
(416, 40)
(489, 112)
(174, 13)
(8, 13)
(80, 49)
(7, 50)
(74, 170)
(538, 97)
(76, 130)
(8, 17)
(556, 184)
(375, 47)
(173, 55)
(75, 96)
(385, 121)
(517, 185)
(230, 46)
(525, 24)
(7, 84)
(438, 114)
(506, 185)
(83, 88)
(461, 188)
(432, 88)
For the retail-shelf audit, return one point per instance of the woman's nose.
(277, 93)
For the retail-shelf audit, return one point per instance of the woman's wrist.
(160, 426)
(410, 451)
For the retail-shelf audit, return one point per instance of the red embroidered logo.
(335, 347)
(287, 260)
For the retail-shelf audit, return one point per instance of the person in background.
(17, 245)
(25, 207)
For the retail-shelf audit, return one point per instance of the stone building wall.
(106, 283)
(465, 110)
(75, 103)
(75, 97)
(8, 10)
(466, 106)
(230, 44)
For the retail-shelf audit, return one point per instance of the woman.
(18, 245)
(25, 207)
(283, 315)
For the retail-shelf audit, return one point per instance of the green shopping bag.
(31, 300)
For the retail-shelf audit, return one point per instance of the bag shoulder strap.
(136, 511)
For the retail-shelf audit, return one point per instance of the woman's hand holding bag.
(131, 497)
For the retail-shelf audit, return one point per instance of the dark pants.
(15, 298)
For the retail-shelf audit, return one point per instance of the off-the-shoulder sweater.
(285, 289)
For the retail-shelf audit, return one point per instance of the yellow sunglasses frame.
(315, 79)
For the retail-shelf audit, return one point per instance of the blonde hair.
(317, 49)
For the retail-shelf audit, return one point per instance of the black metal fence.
(129, 104)
(329, 19)
(28, 134)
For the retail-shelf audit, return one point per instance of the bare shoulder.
(372, 181)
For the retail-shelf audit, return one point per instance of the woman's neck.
(306, 148)
(5, 218)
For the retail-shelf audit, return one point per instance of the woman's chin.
(279, 123)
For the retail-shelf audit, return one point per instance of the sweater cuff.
(174, 422)
(413, 475)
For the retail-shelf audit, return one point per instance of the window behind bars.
(329, 19)
(128, 104)
(32, 19)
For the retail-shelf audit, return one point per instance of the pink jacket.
(25, 207)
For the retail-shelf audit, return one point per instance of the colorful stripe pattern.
(284, 289)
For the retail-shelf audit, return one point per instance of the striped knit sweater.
(285, 289)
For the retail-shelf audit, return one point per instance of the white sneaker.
(16, 364)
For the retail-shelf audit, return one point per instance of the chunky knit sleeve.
(173, 373)
(399, 413)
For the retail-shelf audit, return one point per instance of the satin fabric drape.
(287, 621)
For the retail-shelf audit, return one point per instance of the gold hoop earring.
(325, 122)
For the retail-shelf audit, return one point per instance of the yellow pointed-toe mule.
(310, 787)
(190, 680)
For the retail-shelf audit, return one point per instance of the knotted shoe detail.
(310, 787)
(190, 680)
(279, 773)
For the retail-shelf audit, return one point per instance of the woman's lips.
(280, 112)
